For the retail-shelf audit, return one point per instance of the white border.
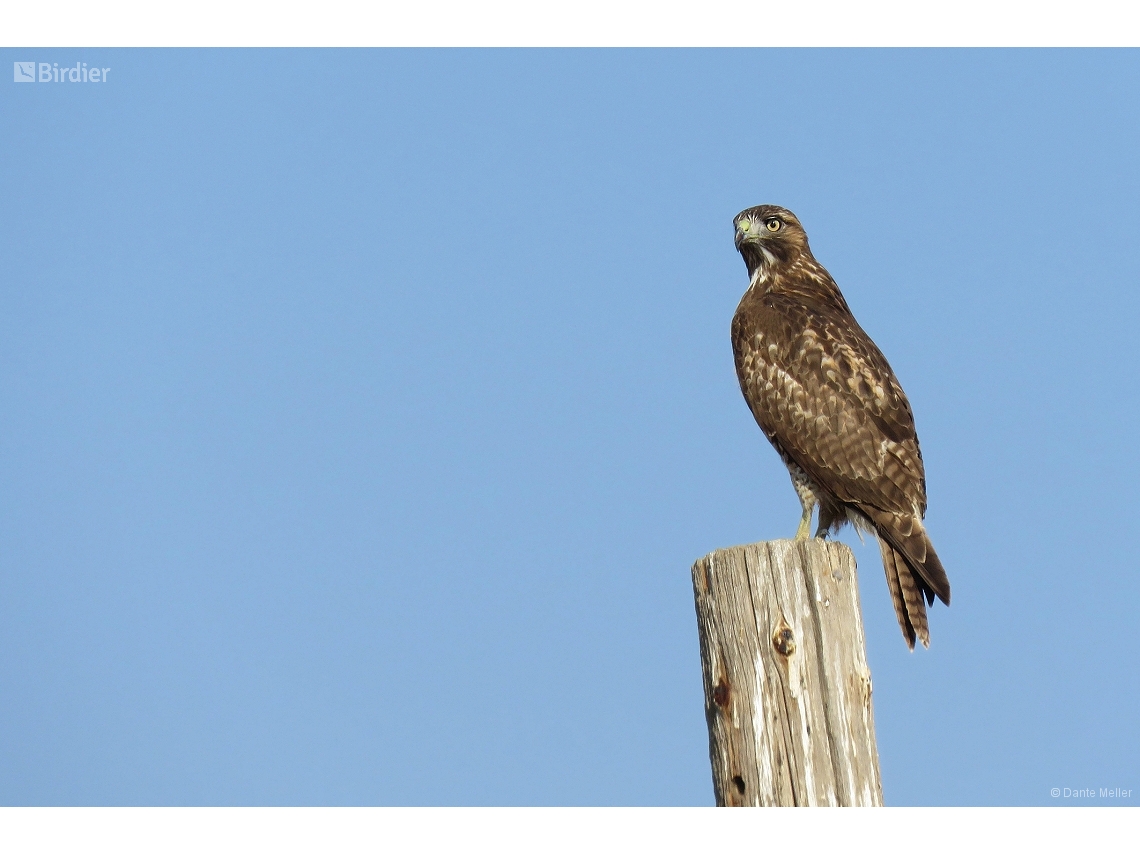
(564, 830)
(589, 23)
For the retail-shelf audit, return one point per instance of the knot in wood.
(721, 693)
(784, 641)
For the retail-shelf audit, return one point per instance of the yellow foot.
(804, 531)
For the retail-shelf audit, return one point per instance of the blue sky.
(364, 412)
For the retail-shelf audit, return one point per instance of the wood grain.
(787, 687)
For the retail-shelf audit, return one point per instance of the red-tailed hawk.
(828, 401)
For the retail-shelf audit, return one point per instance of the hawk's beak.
(741, 234)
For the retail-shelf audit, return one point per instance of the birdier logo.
(50, 72)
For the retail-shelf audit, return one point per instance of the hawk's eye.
(773, 225)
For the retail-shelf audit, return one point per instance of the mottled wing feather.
(823, 393)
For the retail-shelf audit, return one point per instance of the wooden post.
(787, 687)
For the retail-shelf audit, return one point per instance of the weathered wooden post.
(787, 687)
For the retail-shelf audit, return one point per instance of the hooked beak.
(743, 232)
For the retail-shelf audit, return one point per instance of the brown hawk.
(826, 398)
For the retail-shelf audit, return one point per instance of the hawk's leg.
(804, 530)
(807, 500)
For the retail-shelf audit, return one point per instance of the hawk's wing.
(823, 392)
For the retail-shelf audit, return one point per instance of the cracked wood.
(787, 687)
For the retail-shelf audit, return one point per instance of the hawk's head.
(769, 234)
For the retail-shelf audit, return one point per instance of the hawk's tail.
(914, 574)
(907, 597)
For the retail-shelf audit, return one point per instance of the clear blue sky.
(364, 411)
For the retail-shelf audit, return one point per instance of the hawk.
(826, 398)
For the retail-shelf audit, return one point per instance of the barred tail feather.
(914, 572)
(906, 596)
